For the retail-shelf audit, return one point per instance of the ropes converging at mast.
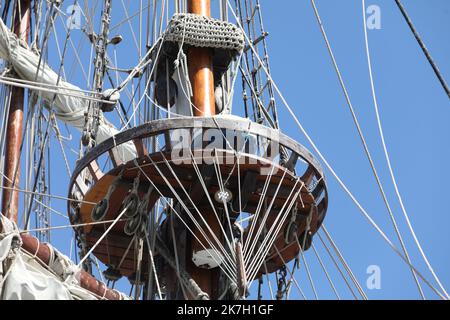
(181, 181)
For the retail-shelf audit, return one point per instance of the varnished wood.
(95, 171)
(117, 242)
(86, 281)
(205, 278)
(202, 81)
(281, 183)
(10, 200)
(140, 148)
(200, 7)
(200, 61)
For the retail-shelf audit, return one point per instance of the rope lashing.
(200, 31)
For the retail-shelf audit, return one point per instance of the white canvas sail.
(23, 277)
(66, 106)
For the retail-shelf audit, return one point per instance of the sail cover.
(67, 108)
(22, 277)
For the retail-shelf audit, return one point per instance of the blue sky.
(414, 111)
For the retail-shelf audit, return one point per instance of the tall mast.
(201, 67)
(100, 41)
(14, 129)
(200, 63)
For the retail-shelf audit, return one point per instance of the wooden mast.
(200, 64)
(14, 131)
(201, 67)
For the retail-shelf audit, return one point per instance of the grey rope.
(337, 266)
(325, 271)
(366, 148)
(344, 263)
(423, 47)
(336, 176)
(199, 31)
(388, 161)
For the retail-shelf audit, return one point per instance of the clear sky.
(414, 111)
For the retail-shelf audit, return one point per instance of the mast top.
(200, 7)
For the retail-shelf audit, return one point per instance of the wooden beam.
(88, 282)
(200, 61)
(10, 200)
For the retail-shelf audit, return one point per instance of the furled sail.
(23, 277)
(66, 106)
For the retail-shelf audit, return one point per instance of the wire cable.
(364, 143)
(423, 47)
(330, 168)
(388, 160)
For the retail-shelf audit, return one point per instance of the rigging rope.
(201, 31)
(319, 259)
(229, 271)
(363, 141)
(337, 266)
(256, 269)
(388, 159)
(44, 141)
(152, 264)
(330, 168)
(308, 271)
(344, 263)
(70, 226)
(423, 47)
(86, 256)
(47, 195)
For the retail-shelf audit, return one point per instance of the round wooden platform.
(247, 172)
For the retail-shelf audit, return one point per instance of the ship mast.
(201, 67)
(10, 200)
(114, 196)
(200, 63)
